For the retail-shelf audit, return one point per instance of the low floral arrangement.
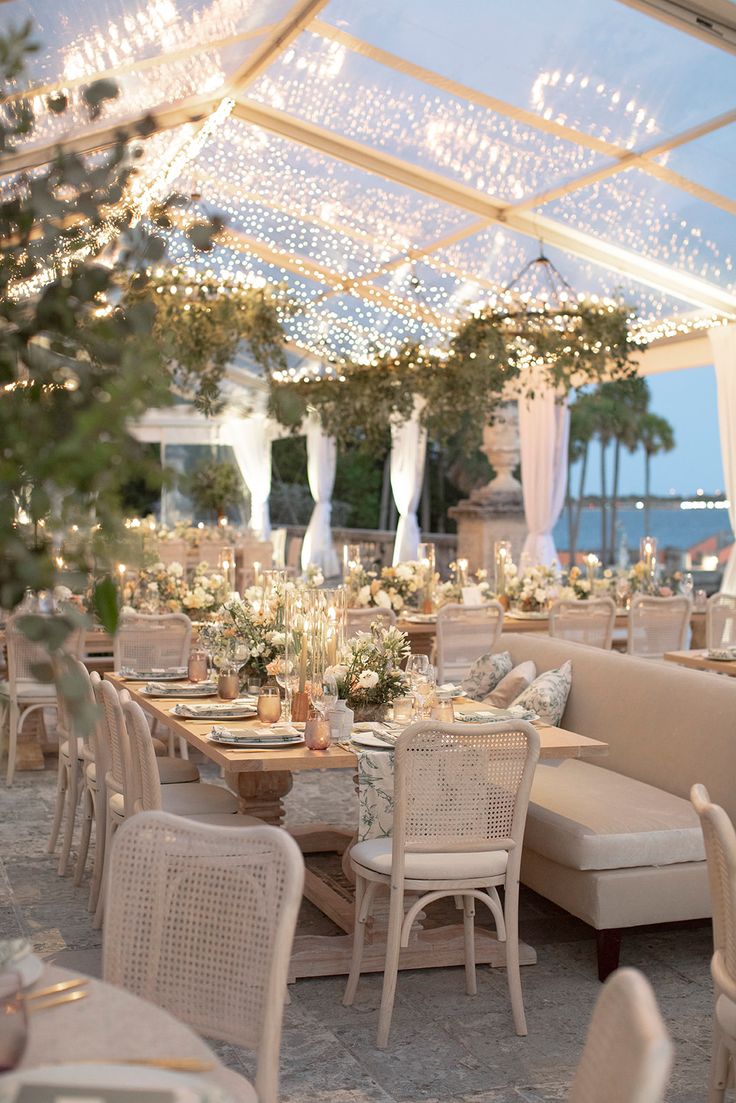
(246, 633)
(532, 590)
(370, 675)
(194, 534)
(165, 588)
(452, 590)
(394, 588)
(578, 586)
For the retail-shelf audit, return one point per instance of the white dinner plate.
(197, 689)
(519, 614)
(255, 744)
(128, 674)
(213, 710)
(370, 739)
(184, 1088)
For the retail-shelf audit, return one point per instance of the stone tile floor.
(445, 1046)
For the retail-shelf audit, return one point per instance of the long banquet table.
(262, 777)
(697, 659)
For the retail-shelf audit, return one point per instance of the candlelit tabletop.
(698, 660)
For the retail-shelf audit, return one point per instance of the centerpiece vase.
(364, 713)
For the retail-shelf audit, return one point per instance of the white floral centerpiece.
(531, 590)
(452, 590)
(394, 588)
(370, 674)
(246, 633)
(164, 588)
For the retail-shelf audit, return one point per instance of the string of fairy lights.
(361, 257)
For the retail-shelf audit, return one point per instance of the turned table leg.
(261, 794)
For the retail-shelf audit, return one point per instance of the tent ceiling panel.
(322, 82)
(602, 68)
(710, 160)
(656, 221)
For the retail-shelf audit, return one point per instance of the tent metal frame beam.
(647, 271)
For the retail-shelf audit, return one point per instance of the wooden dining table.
(262, 777)
(698, 660)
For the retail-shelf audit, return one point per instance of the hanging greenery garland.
(199, 323)
(499, 353)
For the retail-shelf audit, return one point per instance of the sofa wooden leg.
(608, 946)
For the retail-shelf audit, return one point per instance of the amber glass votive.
(197, 669)
(269, 704)
(228, 685)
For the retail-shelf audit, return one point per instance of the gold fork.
(65, 997)
(62, 986)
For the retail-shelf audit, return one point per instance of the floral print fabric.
(547, 695)
(485, 674)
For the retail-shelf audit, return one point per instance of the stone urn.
(502, 448)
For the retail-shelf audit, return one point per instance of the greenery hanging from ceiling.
(199, 323)
(500, 353)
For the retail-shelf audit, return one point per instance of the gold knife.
(65, 997)
(62, 986)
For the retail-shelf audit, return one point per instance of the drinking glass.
(269, 704)
(329, 693)
(423, 689)
(686, 584)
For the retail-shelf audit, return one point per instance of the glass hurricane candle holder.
(269, 704)
(351, 560)
(197, 666)
(648, 554)
(501, 561)
(591, 562)
(427, 556)
(226, 565)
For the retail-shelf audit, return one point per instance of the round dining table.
(113, 1026)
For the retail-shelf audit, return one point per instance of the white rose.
(383, 600)
(404, 572)
(398, 602)
(368, 679)
(338, 671)
(364, 595)
(176, 570)
(540, 595)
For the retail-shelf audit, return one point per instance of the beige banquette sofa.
(614, 840)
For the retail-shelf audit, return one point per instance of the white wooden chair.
(464, 633)
(628, 1052)
(658, 624)
(590, 621)
(201, 922)
(720, 852)
(278, 544)
(460, 804)
(75, 752)
(360, 620)
(720, 621)
(25, 693)
(120, 780)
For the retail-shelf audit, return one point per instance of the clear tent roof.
(396, 164)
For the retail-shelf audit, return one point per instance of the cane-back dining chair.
(658, 624)
(360, 620)
(628, 1052)
(460, 804)
(76, 720)
(201, 921)
(720, 621)
(154, 641)
(464, 633)
(25, 693)
(590, 621)
(720, 853)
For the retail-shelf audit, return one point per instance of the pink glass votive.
(228, 685)
(197, 668)
(317, 734)
(269, 705)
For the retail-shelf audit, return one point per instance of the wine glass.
(416, 666)
(686, 584)
(329, 692)
(423, 686)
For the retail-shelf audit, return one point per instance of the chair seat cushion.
(26, 688)
(117, 804)
(91, 771)
(585, 817)
(188, 799)
(237, 1087)
(64, 750)
(375, 854)
(176, 771)
(224, 819)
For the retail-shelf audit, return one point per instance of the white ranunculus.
(398, 602)
(404, 571)
(383, 600)
(176, 570)
(364, 595)
(540, 595)
(368, 679)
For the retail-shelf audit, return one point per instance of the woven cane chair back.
(360, 620)
(628, 1052)
(464, 633)
(590, 622)
(24, 654)
(720, 851)
(658, 624)
(720, 621)
(145, 780)
(144, 642)
(115, 736)
(200, 920)
(461, 790)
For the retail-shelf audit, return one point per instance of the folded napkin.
(722, 654)
(386, 731)
(239, 707)
(13, 950)
(488, 716)
(166, 689)
(283, 733)
(154, 672)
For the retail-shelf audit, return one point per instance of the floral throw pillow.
(485, 674)
(547, 695)
(509, 688)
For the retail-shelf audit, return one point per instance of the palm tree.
(629, 400)
(582, 428)
(655, 435)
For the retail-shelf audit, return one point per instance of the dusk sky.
(688, 400)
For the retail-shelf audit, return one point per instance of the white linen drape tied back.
(544, 426)
(723, 343)
(317, 547)
(250, 439)
(408, 449)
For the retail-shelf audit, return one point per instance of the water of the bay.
(673, 528)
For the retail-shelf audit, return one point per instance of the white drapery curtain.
(544, 427)
(723, 343)
(408, 449)
(321, 463)
(250, 439)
